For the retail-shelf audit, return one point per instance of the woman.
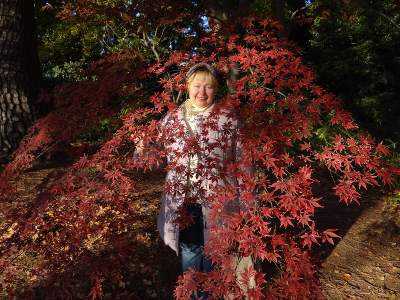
(200, 138)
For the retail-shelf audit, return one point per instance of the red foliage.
(78, 107)
(82, 217)
(281, 108)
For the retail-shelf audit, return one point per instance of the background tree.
(354, 48)
(19, 72)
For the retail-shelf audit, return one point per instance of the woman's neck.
(197, 107)
(193, 110)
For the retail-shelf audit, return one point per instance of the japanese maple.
(291, 128)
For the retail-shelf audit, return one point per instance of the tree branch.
(390, 20)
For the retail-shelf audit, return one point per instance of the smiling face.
(202, 88)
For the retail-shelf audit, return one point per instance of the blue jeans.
(193, 257)
(191, 244)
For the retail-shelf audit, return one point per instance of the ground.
(364, 264)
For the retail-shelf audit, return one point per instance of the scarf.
(193, 110)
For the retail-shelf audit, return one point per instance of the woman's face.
(201, 90)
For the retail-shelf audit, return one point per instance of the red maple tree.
(291, 128)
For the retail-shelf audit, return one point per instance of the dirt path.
(365, 264)
(28, 187)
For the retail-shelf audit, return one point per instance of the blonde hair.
(203, 74)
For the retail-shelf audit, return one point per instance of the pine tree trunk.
(19, 72)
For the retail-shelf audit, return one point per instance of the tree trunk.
(278, 10)
(19, 72)
(225, 11)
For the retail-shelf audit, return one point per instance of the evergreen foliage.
(355, 50)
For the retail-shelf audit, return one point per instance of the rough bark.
(19, 72)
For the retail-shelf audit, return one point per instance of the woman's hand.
(142, 147)
(139, 148)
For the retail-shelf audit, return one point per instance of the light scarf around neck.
(193, 110)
